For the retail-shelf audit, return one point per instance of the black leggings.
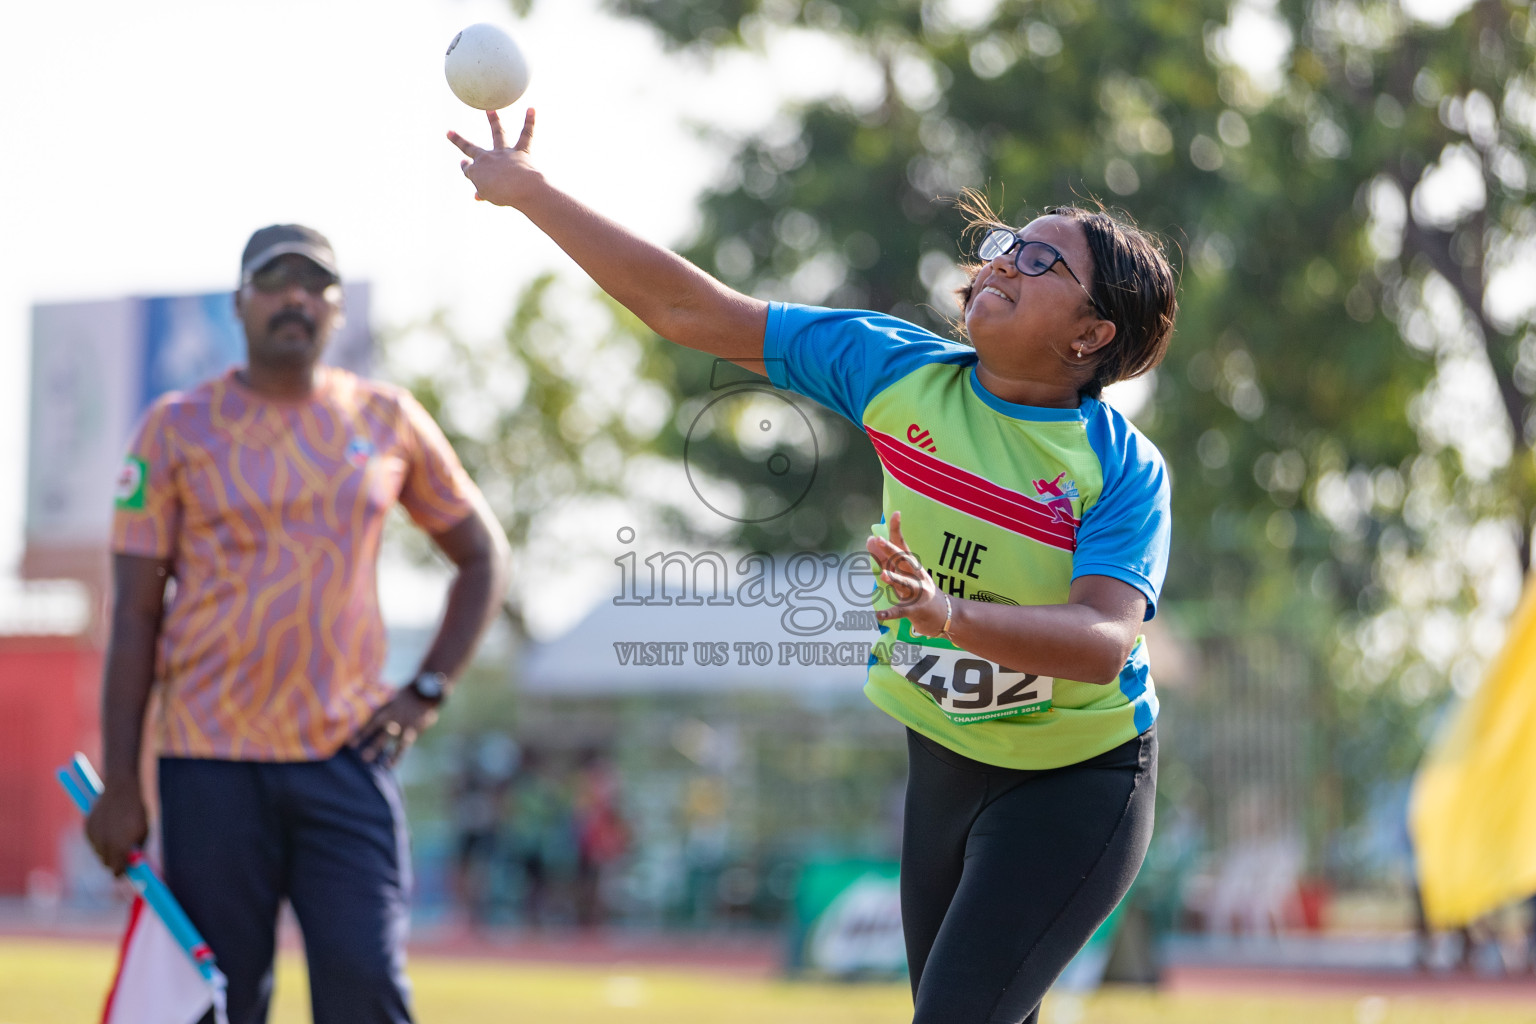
(1006, 873)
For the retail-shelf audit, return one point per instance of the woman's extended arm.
(673, 297)
(1087, 639)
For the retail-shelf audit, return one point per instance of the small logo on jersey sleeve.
(1059, 497)
(129, 489)
(359, 451)
(920, 437)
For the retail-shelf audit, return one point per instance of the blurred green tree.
(559, 412)
(1427, 131)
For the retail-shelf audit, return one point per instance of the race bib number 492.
(971, 689)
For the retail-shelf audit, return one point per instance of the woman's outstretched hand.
(502, 175)
(917, 599)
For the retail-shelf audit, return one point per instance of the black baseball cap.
(276, 240)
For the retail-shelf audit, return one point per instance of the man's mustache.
(291, 316)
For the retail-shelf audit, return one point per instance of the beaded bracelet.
(949, 610)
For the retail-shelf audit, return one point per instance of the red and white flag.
(156, 983)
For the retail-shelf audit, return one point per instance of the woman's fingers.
(907, 563)
(499, 134)
(466, 147)
(879, 549)
(903, 609)
(884, 549)
(895, 532)
(525, 139)
(906, 587)
(900, 569)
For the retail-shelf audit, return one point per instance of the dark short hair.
(1132, 282)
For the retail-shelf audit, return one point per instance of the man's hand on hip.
(394, 727)
(117, 823)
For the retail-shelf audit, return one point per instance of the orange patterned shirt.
(271, 512)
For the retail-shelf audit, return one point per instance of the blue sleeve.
(1125, 535)
(842, 358)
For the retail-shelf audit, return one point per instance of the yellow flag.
(1473, 809)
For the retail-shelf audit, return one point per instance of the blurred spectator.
(1530, 935)
(706, 840)
(536, 833)
(1256, 880)
(476, 801)
(602, 837)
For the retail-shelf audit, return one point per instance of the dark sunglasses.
(1030, 258)
(280, 275)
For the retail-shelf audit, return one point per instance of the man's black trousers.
(329, 836)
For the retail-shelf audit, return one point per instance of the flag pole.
(83, 785)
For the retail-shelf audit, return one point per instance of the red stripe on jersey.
(974, 495)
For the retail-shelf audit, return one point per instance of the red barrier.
(49, 688)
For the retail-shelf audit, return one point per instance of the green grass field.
(46, 982)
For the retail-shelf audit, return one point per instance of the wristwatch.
(431, 687)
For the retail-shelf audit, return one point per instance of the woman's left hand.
(918, 600)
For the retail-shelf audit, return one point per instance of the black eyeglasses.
(280, 275)
(1030, 258)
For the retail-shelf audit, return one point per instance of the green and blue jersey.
(1001, 502)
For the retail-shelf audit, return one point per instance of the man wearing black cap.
(286, 327)
(263, 493)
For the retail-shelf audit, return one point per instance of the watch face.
(429, 685)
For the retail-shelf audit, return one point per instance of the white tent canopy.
(799, 622)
